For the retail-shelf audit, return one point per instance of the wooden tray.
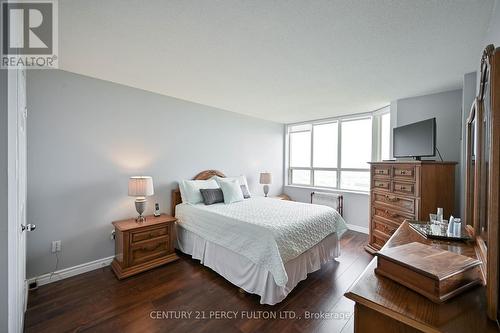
(427, 230)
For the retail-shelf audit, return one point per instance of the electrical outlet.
(56, 246)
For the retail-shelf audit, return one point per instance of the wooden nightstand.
(283, 197)
(142, 246)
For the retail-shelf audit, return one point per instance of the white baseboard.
(71, 271)
(358, 228)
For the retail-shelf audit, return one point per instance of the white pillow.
(242, 180)
(190, 189)
(232, 191)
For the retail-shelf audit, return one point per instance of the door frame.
(17, 287)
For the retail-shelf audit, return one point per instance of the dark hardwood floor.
(97, 302)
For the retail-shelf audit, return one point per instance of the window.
(335, 153)
(356, 143)
(356, 150)
(325, 145)
(300, 148)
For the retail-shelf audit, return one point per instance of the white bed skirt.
(250, 277)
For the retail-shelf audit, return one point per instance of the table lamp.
(265, 178)
(140, 187)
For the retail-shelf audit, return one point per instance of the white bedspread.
(269, 232)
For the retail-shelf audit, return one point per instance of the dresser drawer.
(381, 171)
(139, 236)
(403, 188)
(146, 251)
(379, 239)
(382, 184)
(385, 227)
(406, 172)
(390, 215)
(394, 201)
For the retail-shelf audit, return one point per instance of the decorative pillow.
(232, 191)
(241, 179)
(245, 192)
(190, 189)
(212, 195)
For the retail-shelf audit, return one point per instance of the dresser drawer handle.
(381, 185)
(380, 172)
(392, 199)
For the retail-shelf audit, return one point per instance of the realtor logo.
(29, 34)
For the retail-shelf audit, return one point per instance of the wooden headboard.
(204, 175)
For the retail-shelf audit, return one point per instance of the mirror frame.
(487, 248)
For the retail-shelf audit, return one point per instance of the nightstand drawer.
(148, 234)
(147, 251)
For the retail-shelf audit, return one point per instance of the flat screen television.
(415, 140)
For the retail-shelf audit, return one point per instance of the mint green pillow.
(232, 191)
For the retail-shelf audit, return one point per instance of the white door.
(17, 180)
(22, 115)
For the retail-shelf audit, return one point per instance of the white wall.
(447, 108)
(3, 202)
(493, 34)
(87, 136)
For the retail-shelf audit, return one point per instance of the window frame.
(375, 118)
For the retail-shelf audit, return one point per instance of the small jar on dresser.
(140, 246)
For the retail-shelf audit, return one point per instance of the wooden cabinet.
(407, 190)
(142, 246)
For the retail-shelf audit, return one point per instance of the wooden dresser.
(382, 305)
(142, 246)
(411, 190)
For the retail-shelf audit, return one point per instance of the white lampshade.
(265, 178)
(140, 186)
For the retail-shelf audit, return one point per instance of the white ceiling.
(285, 61)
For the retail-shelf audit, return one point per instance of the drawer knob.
(392, 199)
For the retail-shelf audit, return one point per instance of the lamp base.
(266, 190)
(140, 206)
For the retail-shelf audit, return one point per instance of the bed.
(262, 245)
